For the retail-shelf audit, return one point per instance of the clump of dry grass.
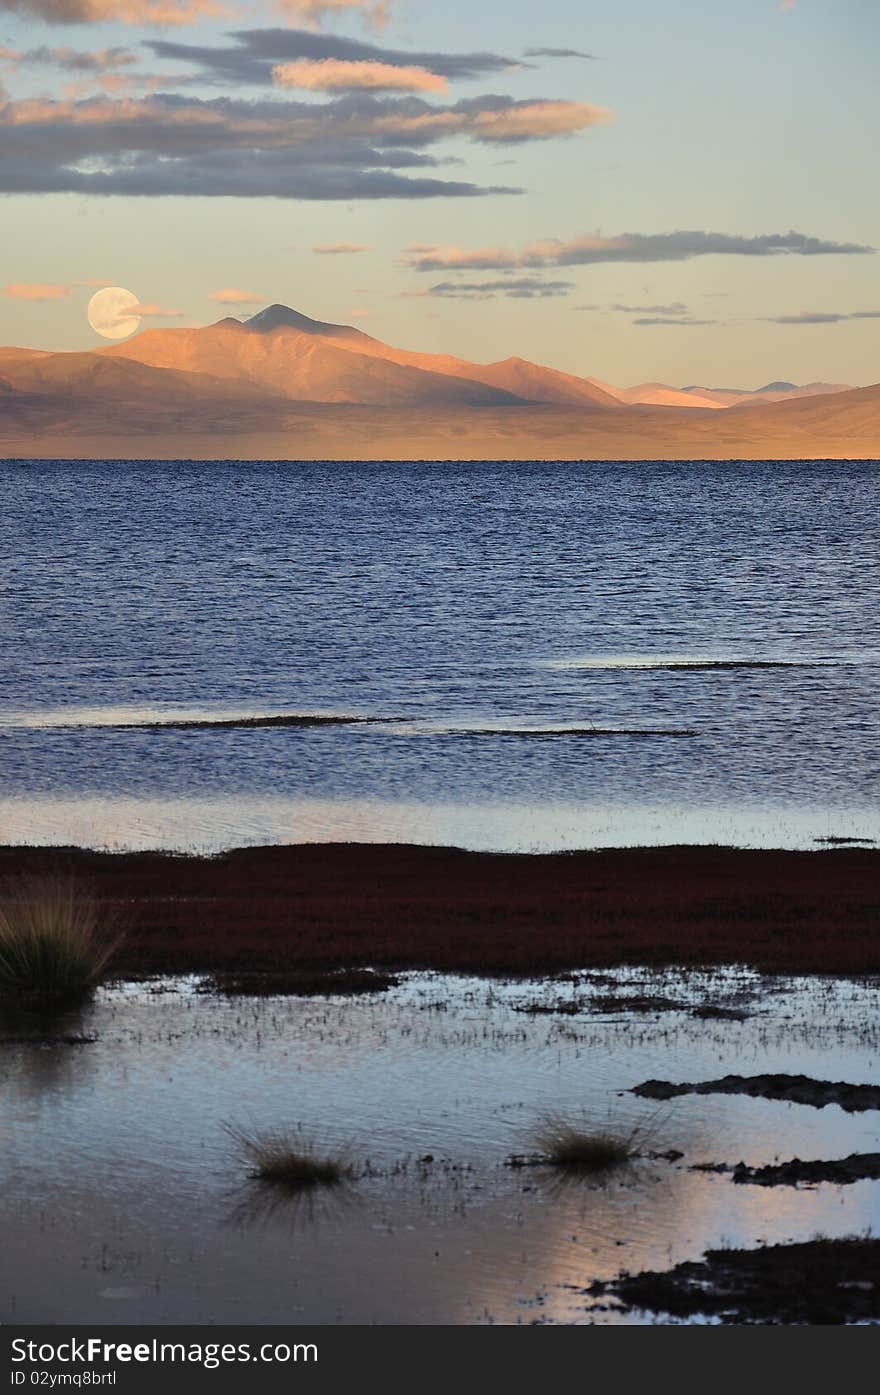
(286, 1157)
(55, 942)
(565, 1145)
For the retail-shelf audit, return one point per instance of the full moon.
(109, 312)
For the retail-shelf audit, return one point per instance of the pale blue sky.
(740, 120)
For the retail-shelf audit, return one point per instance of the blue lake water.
(572, 654)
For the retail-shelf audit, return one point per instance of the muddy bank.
(326, 906)
(858, 1167)
(798, 1089)
(820, 1282)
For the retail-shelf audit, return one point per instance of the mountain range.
(282, 385)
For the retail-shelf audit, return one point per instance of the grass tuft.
(288, 1159)
(54, 940)
(563, 1145)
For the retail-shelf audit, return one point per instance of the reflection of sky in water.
(123, 1186)
(494, 597)
(209, 824)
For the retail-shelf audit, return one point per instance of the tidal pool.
(124, 1199)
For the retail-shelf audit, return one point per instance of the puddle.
(124, 1200)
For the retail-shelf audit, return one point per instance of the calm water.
(122, 1184)
(473, 604)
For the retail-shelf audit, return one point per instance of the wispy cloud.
(677, 307)
(70, 59)
(35, 290)
(343, 75)
(682, 321)
(558, 53)
(591, 248)
(336, 249)
(374, 12)
(823, 317)
(515, 288)
(149, 311)
(231, 295)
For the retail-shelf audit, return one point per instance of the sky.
(680, 192)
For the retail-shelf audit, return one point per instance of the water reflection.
(125, 1182)
(260, 1205)
(213, 823)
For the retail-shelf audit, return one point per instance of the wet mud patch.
(858, 1167)
(37, 1039)
(818, 1282)
(796, 1089)
(835, 840)
(647, 1003)
(299, 983)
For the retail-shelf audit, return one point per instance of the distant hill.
(283, 384)
(305, 365)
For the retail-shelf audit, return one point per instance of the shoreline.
(319, 907)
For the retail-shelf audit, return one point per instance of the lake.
(551, 655)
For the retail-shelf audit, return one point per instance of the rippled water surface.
(571, 655)
(125, 1200)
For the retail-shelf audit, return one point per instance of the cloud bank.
(164, 12)
(357, 146)
(256, 52)
(123, 11)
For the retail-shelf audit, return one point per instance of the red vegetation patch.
(326, 906)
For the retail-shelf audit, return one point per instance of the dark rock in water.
(820, 1282)
(799, 1089)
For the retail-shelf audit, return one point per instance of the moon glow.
(110, 314)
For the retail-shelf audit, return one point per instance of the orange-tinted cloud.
(231, 295)
(536, 120)
(125, 11)
(35, 290)
(340, 75)
(314, 12)
(332, 249)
